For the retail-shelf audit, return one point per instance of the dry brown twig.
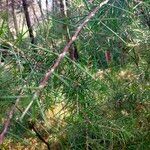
(49, 72)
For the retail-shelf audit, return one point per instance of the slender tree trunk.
(40, 6)
(28, 21)
(34, 12)
(7, 20)
(55, 5)
(14, 17)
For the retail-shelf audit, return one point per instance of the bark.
(28, 21)
(14, 17)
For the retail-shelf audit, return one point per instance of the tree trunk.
(14, 17)
(28, 21)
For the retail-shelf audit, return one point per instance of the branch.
(44, 81)
(7, 122)
(32, 127)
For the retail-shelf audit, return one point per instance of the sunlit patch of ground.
(56, 114)
(29, 144)
(101, 74)
(126, 75)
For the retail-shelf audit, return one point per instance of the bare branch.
(10, 116)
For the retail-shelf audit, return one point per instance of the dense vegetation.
(97, 98)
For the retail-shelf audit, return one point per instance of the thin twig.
(10, 116)
(44, 81)
(32, 127)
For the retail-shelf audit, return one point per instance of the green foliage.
(89, 103)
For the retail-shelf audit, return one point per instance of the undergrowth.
(92, 103)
